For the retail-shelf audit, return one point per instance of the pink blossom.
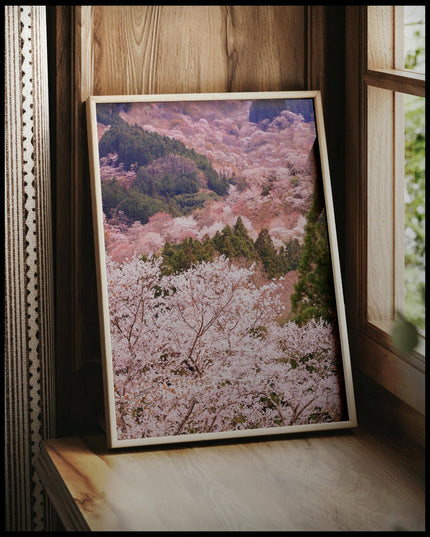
(202, 351)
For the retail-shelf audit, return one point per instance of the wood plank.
(356, 164)
(58, 493)
(395, 80)
(377, 405)
(380, 204)
(380, 20)
(345, 482)
(391, 371)
(316, 49)
(195, 49)
(59, 55)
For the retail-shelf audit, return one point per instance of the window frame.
(371, 350)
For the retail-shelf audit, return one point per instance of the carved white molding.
(29, 329)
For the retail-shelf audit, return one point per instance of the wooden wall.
(177, 49)
(107, 50)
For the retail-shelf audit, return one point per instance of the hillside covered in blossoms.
(218, 266)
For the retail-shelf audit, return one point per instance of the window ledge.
(374, 357)
(416, 358)
(279, 484)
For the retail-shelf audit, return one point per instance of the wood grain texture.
(391, 371)
(329, 483)
(380, 43)
(401, 81)
(59, 29)
(380, 192)
(316, 50)
(195, 49)
(356, 164)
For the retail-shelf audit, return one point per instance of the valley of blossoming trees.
(206, 294)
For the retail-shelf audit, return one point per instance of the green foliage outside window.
(404, 333)
(414, 307)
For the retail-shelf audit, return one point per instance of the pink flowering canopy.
(201, 351)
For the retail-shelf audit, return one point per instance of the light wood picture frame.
(220, 295)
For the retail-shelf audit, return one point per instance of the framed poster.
(221, 304)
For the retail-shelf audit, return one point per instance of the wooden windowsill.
(346, 480)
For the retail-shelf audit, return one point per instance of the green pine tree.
(242, 242)
(289, 256)
(265, 248)
(227, 248)
(314, 292)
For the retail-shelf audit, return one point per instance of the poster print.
(220, 296)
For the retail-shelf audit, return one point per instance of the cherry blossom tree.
(202, 351)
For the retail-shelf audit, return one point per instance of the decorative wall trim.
(29, 328)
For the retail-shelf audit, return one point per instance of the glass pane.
(414, 303)
(414, 38)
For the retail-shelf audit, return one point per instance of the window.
(385, 185)
(395, 160)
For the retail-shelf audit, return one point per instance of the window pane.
(414, 304)
(414, 38)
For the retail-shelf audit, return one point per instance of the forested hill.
(135, 146)
(169, 176)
